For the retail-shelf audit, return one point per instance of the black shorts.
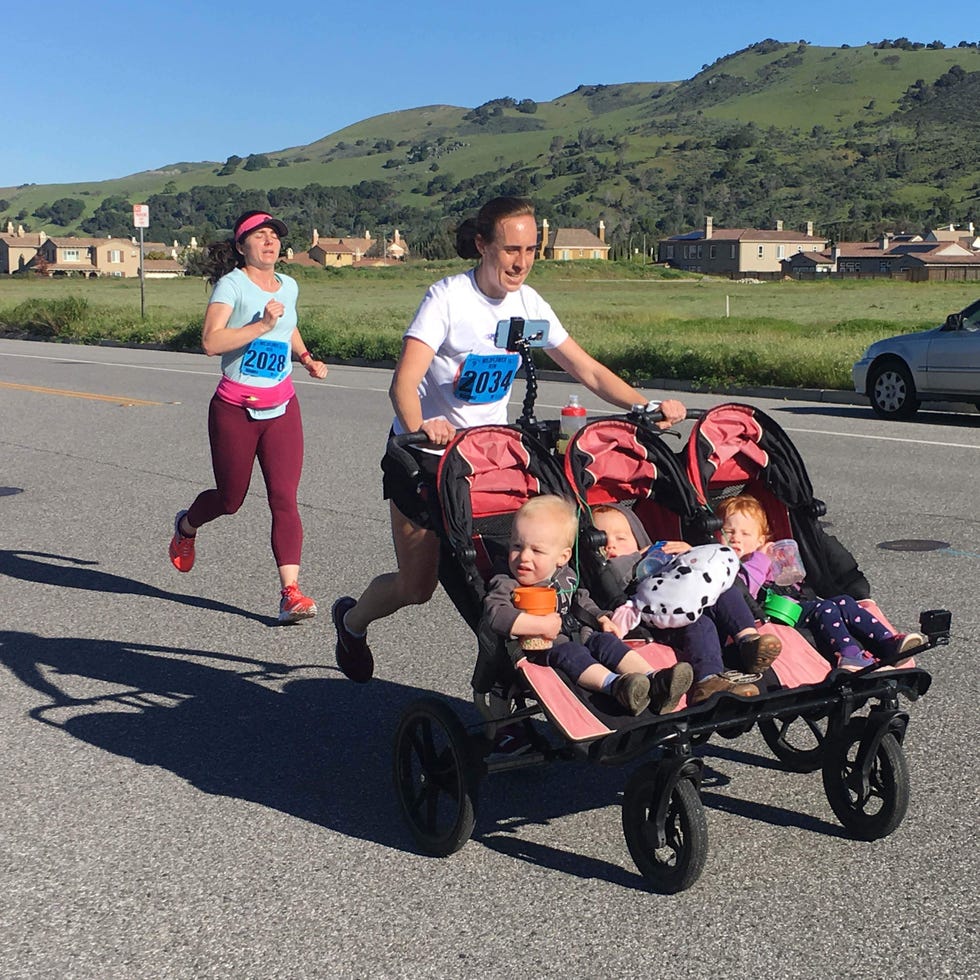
(416, 499)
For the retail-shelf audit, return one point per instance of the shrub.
(54, 318)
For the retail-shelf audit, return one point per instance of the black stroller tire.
(679, 864)
(870, 811)
(436, 776)
(791, 741)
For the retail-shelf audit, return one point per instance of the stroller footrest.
(566, 711)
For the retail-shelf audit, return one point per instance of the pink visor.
(259, 220)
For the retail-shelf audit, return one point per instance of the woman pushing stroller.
(450, 341)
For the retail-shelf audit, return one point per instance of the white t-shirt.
(469, 379)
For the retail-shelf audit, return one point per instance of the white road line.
(167, 370)
(858, 435)
(514, 400)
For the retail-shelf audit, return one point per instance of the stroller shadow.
(228, 725)
(764, 813)
(77, 573)
(272, 734)
(497, 825)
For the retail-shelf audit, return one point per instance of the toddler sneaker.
(632, 691)
(738, 677)
(716, 684)
(181, 546)
(855, 661)
(667, 686)
(757, 653)
(353, 653)
(905, 643)
(294, 606)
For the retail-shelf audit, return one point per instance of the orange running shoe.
(295, 606)
(181, 547)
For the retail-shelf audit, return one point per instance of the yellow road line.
(116, 399)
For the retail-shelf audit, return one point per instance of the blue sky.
(109, 90)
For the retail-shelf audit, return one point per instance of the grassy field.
(642, 321)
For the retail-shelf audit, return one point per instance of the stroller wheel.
(667, 838)
(869, 799)
(436, 776)
(797, 742)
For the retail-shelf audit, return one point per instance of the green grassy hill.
(862, 139)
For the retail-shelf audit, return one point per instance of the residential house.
(162, 261)
(951, 263)
(18, 247)
(396, 247)
(737, 252)
(331, 253)
(163, 269)
(899, 256)
(89, 257)
(857, 259)
(967, 237)
(570, 244)
(302, 259)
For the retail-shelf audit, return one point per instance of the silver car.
(942, 364)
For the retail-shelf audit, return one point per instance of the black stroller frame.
(439, 762)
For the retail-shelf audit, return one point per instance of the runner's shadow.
(77, 573)
(308, 746)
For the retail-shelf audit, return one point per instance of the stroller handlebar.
(396, 450)
(651, 412)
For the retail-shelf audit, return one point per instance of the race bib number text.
(265, 359)
(485, 378)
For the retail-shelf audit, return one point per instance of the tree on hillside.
(114, 216)
(231, 165)
(61, 212)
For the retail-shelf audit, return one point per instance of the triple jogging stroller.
(849, 725)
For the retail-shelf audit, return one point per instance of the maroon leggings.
(237, 440)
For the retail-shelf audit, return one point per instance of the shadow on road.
(228, 725)
(312, 747)
(78, 573)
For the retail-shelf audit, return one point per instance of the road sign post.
(141, 220)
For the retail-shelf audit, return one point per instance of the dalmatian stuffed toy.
(678, 593)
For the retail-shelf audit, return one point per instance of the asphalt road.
(191, 791)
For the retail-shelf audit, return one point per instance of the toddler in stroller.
(841, 628)
(579, 638)
(744, 466)
(729, 618)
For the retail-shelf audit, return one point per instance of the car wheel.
(891, 391)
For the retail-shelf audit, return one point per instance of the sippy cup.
(787, 566)
(538, 600)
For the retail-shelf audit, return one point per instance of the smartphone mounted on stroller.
(519, 336)
(517, 333)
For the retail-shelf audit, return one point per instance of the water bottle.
(653, 562)
(572, 419)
